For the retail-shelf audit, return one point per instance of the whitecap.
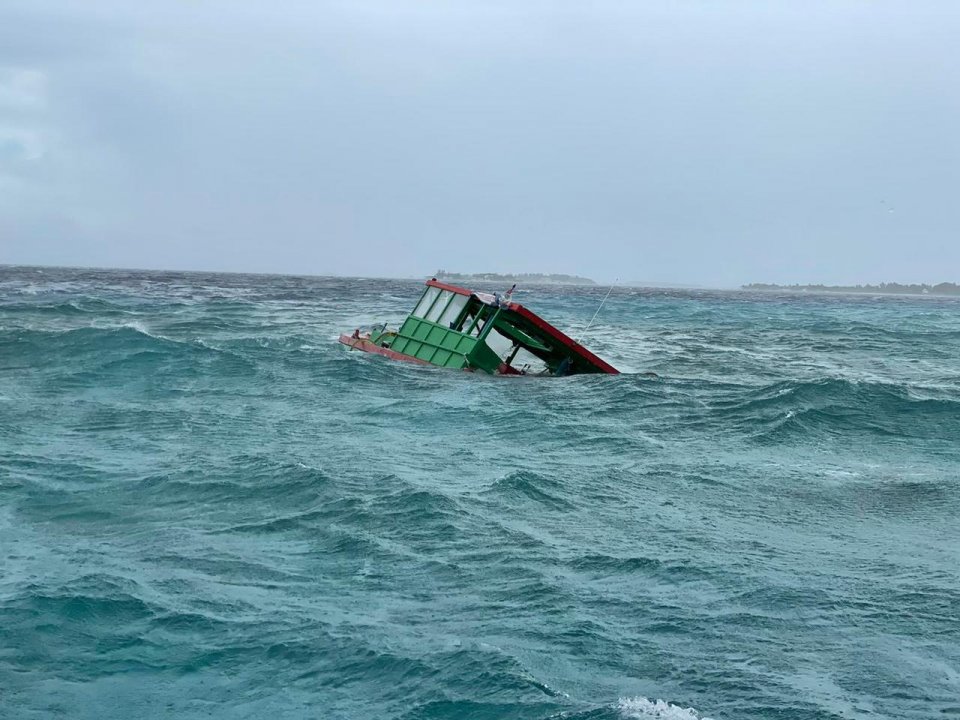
(138, 326)
(640, 708)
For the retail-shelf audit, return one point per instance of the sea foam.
(640, 708)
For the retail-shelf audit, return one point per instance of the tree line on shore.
(944, 288)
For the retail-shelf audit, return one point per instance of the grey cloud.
(710, 143)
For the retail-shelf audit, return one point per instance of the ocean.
(210, 508)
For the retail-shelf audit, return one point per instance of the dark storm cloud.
(711, 143)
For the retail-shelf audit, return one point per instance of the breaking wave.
(640, 708)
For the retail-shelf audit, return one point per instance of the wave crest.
(640, 708)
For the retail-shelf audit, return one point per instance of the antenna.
(583, 334)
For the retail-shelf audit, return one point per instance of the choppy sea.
(209, 508)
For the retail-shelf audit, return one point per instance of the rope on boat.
(583, 334)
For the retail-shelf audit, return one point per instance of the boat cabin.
(457, 328)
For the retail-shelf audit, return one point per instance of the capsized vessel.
(455, 327)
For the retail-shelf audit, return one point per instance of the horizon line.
(597, 283)
(602, 283)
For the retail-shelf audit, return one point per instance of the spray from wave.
(640, 708)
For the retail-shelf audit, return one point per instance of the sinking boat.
(454, 327)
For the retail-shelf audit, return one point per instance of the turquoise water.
(208, 508)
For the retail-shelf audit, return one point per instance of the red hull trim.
(365, 345)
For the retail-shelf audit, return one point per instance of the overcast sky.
(714, 142)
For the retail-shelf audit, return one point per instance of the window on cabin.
(529, 363)
(504, 346)
(433, 314)
(425, 302)
(500, 344)
(456, 306)
(468, 321)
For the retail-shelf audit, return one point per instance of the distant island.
(521, 278)
(882, 289)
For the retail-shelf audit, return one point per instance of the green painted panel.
(436, 335)
(437, 344)
(484, 358)
(450, 341)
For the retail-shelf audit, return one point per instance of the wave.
(109, 606)
(94, 338)
(916, 500)
(634, 708)
(526, 486)
(130, 350)
(599, 565)
(863, 332)
(75, 307)
(640, 708)
(239, 477)
(829, 406)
